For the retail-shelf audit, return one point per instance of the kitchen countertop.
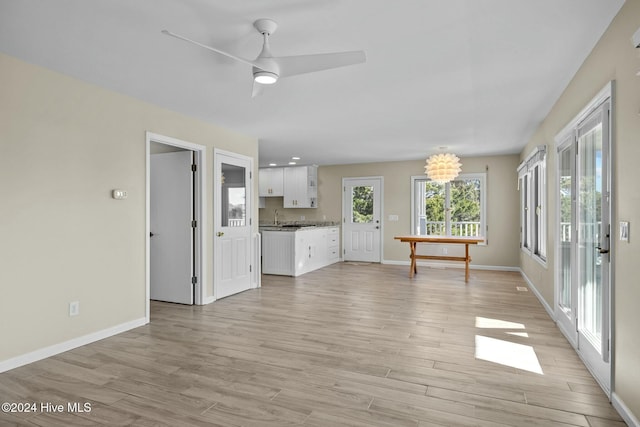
(296, 226)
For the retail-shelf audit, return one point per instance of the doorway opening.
(175, 225)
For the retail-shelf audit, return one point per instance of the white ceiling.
(477, 76)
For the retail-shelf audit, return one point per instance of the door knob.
(602, 251)
(377, 227)
(220, 234)
(151, 234)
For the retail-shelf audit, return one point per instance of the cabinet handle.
(220, 234)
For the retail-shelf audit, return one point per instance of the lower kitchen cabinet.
(292, 253)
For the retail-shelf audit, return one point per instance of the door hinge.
(194, 280)
(250, 221)
(250, 268)
(250, 175)
(194, 168)
(194, 223)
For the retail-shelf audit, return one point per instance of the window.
(532, 183)
(456, 208)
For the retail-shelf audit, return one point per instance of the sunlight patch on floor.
(518, 334)
(485, 323)
(508, 354)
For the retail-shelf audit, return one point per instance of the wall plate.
(624, 231)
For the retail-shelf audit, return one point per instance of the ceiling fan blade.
(213, 49)
(294, 65)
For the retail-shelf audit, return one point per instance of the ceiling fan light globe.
(265, 77)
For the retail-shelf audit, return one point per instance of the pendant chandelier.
(442, 168)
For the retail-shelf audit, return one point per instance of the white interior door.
(171, 238)
(232, 231)
(362, 214)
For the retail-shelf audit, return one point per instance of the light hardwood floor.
(348, 345)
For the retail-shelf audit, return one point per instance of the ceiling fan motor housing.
(266, 26)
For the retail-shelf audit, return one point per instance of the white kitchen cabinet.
(278, 252)
(271, 182)
(301, 187)
(292, 253)
(333, 245)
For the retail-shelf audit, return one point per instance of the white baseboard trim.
(454, 264)
(624, 411)
(52, 350)
(537, 293)
(208, 300)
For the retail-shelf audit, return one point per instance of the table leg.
(414, 268)
(466, 263)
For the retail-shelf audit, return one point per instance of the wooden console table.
(466, 241)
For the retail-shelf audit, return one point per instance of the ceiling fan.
(267, 69)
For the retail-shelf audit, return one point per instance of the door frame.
(199, 155)
(606, 93)
(345, 213)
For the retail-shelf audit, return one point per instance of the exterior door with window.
(583, 280)
(362, 214)
(593, 242)
(566, 272)
(232, 231)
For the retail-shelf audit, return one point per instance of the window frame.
(532, 184)
(481, 176)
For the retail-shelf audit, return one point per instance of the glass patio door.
(593, 241)
(583, 281)
(567, 285)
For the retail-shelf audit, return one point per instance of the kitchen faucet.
(275, 217)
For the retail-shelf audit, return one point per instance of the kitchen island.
(295, 249)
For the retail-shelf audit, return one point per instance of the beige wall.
(64, 145)
(502, 204)
(614, 58)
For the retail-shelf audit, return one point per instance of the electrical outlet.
(302, 217)
(74, 308)
(445, 251)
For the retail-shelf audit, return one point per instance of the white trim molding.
(537, 293)
(52, 350)
(624, 411)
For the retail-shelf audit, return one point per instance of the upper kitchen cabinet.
(301, 187)
(271, 182)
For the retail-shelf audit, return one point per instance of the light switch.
(624, 231)
(393, 217)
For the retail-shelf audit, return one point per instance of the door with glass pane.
(232, 231)
(567, 286)
(592, 216)
(584, 242)
(361, 219)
